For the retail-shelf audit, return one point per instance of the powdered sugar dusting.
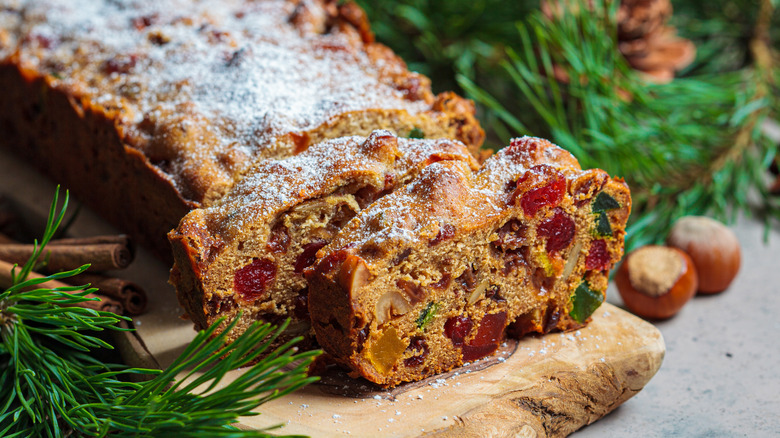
(444, 193)
(237, 65)
(273, 186)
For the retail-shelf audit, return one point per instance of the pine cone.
(648, 44)
(659, 54)
(644, 39)
(637, 18)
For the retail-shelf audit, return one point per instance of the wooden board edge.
(563, 400)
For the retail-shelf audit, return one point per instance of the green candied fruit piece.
(427, 314)
(604, 202)
(416, 133)
(603, 228)
(585, 301)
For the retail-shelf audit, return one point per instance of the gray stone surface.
(720, 376)
(721, 373)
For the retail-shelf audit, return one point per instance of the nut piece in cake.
(249, 250)
(523, 245)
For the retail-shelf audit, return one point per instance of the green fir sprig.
(692, 146)
(52, 386)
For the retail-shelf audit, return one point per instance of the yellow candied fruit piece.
(384, 353)
(553, 266)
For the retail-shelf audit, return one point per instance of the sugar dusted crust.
(192, 94)
(434, 274)
(271, 224)
(253, 116)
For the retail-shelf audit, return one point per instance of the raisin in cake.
(147, 109)
(248, 251)
(434, 274)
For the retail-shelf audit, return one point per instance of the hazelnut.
(353, 274)
(713, 247)
(390, 305)
(656, 281)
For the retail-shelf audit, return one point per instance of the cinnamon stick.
(6, 281)
(101, 256)
(105, 304)
(119, 239)
(131, 295)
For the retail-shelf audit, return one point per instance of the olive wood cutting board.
(538, 386)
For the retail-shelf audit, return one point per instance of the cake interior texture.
(248, 251)
(147, 109)
(277, 130)
(435, 274)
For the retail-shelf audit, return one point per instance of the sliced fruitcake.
(248, 251)
(434, 274)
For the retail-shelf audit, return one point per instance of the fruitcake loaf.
(247, 251)
(434, 274)
(149, 108)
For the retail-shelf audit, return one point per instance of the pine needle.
(691, 147)
(53, 387)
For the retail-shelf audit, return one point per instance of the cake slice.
(248, 251)
(434, 274)
(147, 109)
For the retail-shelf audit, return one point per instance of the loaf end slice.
(437, 273)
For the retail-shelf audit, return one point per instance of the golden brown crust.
(281, 211)
(60, 135)
(189, 100)
(432, 275)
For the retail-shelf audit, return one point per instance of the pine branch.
(442, 38)
(54, 387)
(690, 147)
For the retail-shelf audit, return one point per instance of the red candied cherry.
(329, 262)
(598, 256)
(251, 281)
(559, 230)
(540, 186)
(457, 329)
(486, 339)
(417, 343)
